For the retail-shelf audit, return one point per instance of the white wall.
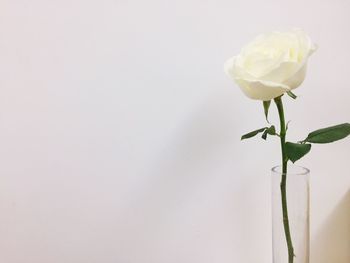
(119, 132)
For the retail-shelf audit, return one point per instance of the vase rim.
(302, 170)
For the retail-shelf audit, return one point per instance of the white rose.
(272, 64)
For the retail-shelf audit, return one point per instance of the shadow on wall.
(332, 243)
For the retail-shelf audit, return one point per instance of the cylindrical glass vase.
(297, 203)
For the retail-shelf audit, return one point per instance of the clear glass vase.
(297, 203)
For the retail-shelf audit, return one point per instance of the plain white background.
(120, 133)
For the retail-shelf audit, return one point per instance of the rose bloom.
(271, 64)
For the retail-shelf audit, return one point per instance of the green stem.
(279, 105)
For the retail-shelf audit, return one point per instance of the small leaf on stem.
(287, 125)
(291, 94)
(271, 130)
(252, 133)
(295, 151)
(266, 108)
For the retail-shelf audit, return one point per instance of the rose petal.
(233, 70)
(282, 72)
(296, 79)
(261, 90)
(229, 66)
